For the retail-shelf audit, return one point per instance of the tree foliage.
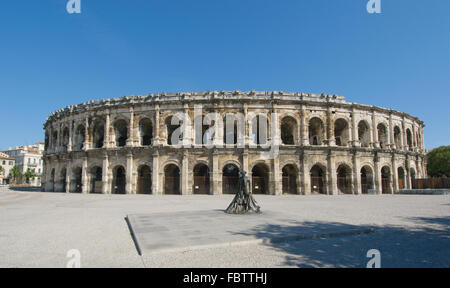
(29, 174)
(15, 174)
(439, 162)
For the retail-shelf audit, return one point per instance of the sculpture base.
(243, 204)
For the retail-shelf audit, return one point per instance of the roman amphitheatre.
(325, 145)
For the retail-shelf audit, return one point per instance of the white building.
(7, 163)
(29, 157)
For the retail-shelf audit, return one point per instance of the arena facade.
(289, 143)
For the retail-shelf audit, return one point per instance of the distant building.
(29, 156)
(7, 164)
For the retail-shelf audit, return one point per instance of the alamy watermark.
(73, 6)
(74, 256)
(374, 6)
(375, 261)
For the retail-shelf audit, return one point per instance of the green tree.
(15, 174)
(439, 162)
(29, 174)
(1, 169)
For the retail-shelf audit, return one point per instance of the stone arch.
(65, 138)
(382, 135)
(79, 138)
(144, 180)
(401, 176)
(290, 179)
(318, 179)
(98, 133)
(230, 178)
(119, 180)
(55, 139)
(367, 179)
(289, 130)
(386, 176)
(364, 133)
(398, 138)
(260, 178)
(120, 132)
(341, 132)
(62, 179)
(316, 130)
(76, 180)
(52, 180)
(409, 139)
(344, 179)
(96, 179)
(146, 132)
(172, 184)
(201, 179)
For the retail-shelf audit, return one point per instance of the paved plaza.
(38, 229)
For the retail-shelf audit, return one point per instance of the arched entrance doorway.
(289, 179)
(230, 179)
(366, 179)
(344, 179)
(77, 180)
(172, 180)
(318, 180)
(144, 183)
(119, 180)
(96, 186)
(260, 179)
(201, 179)
(386, 180)
(401, 178)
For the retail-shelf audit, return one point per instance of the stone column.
(375, 142)
(247, 138)
(69, 144)
(84, 176)
(155, 174)
(215, 179)
(355, 138)
(106, 187)
(330, 128)
(377, 174)
(332, 177)
(129, 177)
(68, 174)
(184, 175)
(305, 176)
(405, 141)
(156, 135)
(394, 173)
(87, 139)
(408, 172)
(357, 189)
(130, 140)
(108, 142)
(278, 187)
(304, 137)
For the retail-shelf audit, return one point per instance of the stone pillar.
(130, 140)
(408, 172)
(184, 175)
(215, 179)
(247, 138)
(84, 176)
(305, 176)
(69, 144)
(155, 174)
(156, 134)
(330, 128)
(377, 174)
(68, 176)
(405, 141)
(187, 123)
(391, 141)
(108, 142)
(129, 177)
(332, 177)
(354, 134)
(375, 142)
(106, 187)
(357, 189)
(303, 131)
(394, 173)
(277, 180)
(87, 140)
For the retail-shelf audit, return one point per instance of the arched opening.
(80, 135)
(382, 136)
(386, 180)
(366, 179)
(260, 130)
(364, 134)
(66, 139)
(316, 131)
(95, 176)
(318, 180)
(77, 183)
(171, 128)
(260, 179)
(172, 180)
(55, 139)
(98, 134)
(144, 183)
(230, 179)
(230, 129)
(289, 173)
(409, 139)
(62, 180)
(201, 179)
(52, 181)
(119, 180)
(146, 132)
(288, 130)
(397, 138)
(121, 132)
(344, 179)
(401, 178)
(341, 133)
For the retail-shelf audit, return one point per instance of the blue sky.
(50, 59)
